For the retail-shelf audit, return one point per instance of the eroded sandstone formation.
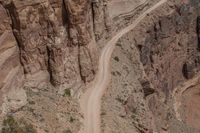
(54, 39)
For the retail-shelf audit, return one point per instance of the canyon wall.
(149, 62)
(45, 44)
(55, 40)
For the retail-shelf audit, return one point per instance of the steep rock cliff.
(55, 39)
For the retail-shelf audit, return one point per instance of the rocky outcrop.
(55, 39)
(191, 67)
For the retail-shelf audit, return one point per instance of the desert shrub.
(116, 58)
(10, 125)
(67, 131)
(67, 92)
(71, 119)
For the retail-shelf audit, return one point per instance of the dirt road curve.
(178, 92)
(91, 100)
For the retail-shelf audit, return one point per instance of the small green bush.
(67, 92)
(67, 131)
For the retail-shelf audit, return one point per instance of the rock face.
(45, 43)
(55, 39)
(11, 70)
(191, 67)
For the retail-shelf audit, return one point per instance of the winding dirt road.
(178, 92)
(91, 100)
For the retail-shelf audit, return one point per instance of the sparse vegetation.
(31, 102)
(116, 58)
(67, 131)
(118, 44)
(71, 119)
(67, 92)
(10, 125)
